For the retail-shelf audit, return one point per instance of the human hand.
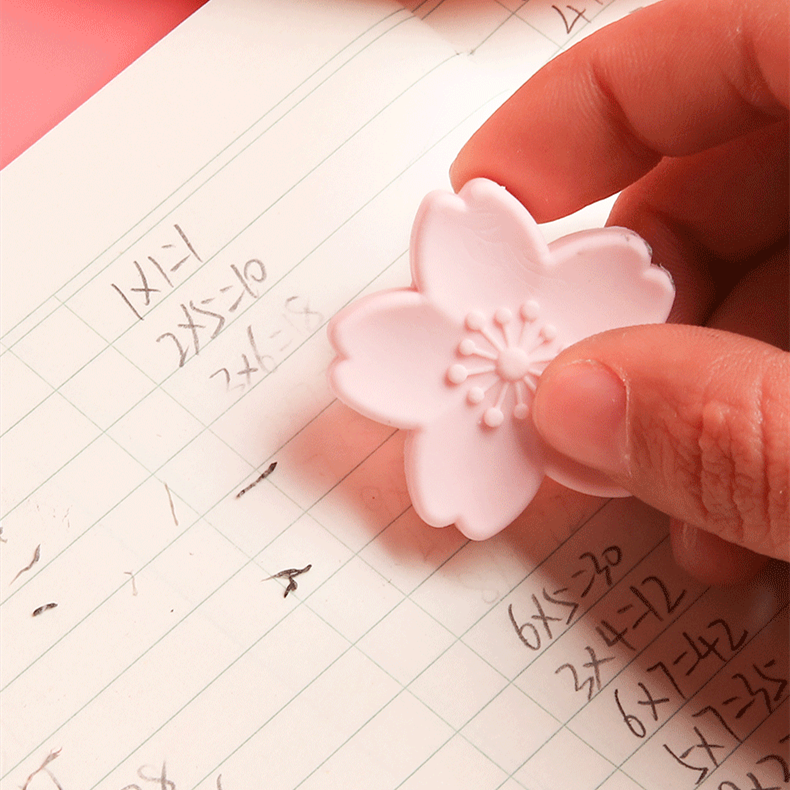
(683, 105)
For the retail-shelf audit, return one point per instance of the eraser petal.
(468, 250)
(603, 279)
(479, 478)
(393, 349)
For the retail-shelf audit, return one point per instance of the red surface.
(55, 54)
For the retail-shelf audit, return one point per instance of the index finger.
(671, 79)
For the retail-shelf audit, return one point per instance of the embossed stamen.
(516, 365)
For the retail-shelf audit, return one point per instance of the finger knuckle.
(742, 490)
(729, 460)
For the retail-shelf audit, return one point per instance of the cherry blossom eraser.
(455, 359)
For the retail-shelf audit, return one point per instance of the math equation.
(663, 677)
(181, 298)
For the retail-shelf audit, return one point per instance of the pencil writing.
(43, 767)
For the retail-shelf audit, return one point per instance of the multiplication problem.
(583, 634)
(686, 662)
(148, 278)
(265, 346)
(203, 319)
(651, 600)
(541, 619)
(705, 705)
(743, 699)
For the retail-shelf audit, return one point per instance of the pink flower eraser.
(455, 359)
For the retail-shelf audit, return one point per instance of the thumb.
(691, 420)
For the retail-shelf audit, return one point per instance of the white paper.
(171, 255)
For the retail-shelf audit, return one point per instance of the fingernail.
(580, 412)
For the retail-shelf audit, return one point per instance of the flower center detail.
(512, 364)
(513, 359)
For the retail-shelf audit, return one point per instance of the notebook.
(211, 573)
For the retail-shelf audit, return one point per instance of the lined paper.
(245, 597)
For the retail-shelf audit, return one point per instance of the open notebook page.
(171, 255)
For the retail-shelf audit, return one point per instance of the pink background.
(55, 54)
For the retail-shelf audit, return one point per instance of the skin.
(683, 107)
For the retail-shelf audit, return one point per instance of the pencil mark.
(160, 779)
(43, 767)
(570, 25)
(134, 584)
(262, 476)
(44, 608)
(2, 539)
(188, 243)
(128, 303)
(291, 574)
(172, 506)
(219, 781)
(36, 558)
